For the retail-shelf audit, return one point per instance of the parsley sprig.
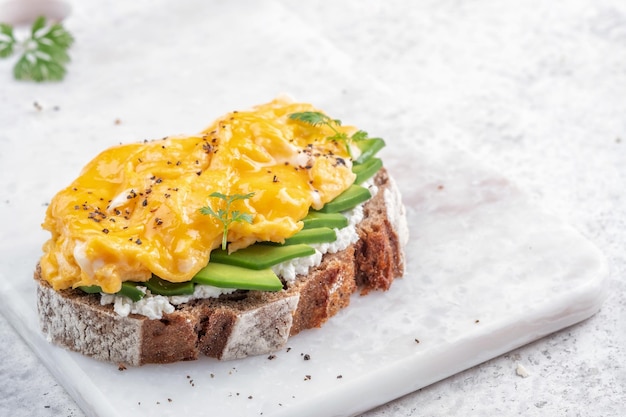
(316, 118)
(225, 215)
(44, 52)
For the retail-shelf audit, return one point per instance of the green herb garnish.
(44, 53)
(225, 216)
(316, 118)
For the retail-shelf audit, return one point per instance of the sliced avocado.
(348, 199)
(317, 219)
(315, 235)
(129, 289)
(90, 289)
(369, 148)
(260, 256)
(162, 287)
(231, 276)
(367, 169)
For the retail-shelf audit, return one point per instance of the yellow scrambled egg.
(135, 209)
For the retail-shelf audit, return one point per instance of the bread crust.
(243, 323)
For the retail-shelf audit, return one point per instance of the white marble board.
(487, 270)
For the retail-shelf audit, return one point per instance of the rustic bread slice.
(243, 323)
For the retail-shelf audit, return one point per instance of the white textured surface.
(486, 273)
(534, 89)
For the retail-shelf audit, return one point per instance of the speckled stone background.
(535, 89)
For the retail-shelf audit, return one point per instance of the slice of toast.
(243, 323)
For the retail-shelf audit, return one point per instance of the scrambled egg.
(134, 210)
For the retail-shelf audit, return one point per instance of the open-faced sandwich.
(223, 243)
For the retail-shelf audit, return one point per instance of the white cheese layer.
(153, 306)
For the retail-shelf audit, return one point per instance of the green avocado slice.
(369, 148)
(350, 198)
(367, 169)
(260, 256)
(231, 276)
(160, 286)
(315, 235)
(129, 289)
(332, 220)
